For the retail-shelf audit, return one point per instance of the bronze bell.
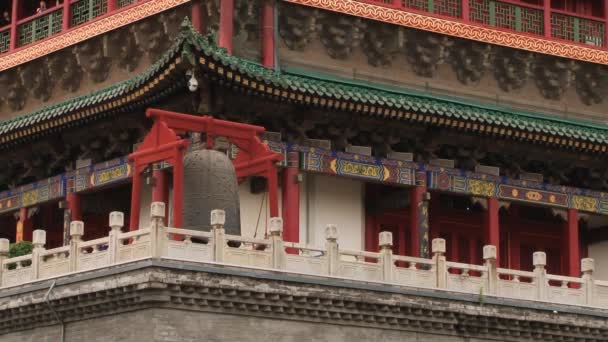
(210, 183)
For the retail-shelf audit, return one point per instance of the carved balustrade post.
(158, 236)
(117, 221)
(386, 252)
(218, 219)
(540, 273)
(4, 247)
(489, 257)
(276, 235)
(38, 240)
(587, 267)
(76, 232)
(331, 246)
(438, 249)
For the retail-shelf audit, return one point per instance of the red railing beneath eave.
(514, 16)
(55, 20)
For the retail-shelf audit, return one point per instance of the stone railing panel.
(516, 284)
(17, 270)
(600, 293)
(419, 272)
(305, 259)
(93, 254)
(134, 245)
(467, 278)
(189, 244)
(250, 252)
(569, 290)
(54, 262)
(360, 265)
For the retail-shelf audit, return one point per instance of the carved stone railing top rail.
(157, 241)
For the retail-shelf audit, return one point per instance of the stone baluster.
(386, 255)
(117, 221)
(587, 267)
(158, 236)
(76, 233)
(38, 240)
(4, 248)
(278, 251)
(438, 249)
(540, 273)
(218, 219)
(489, 257)
(331, 246)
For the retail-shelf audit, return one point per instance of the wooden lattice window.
(5, 41)
(451, 8)
(577, 29)
(123, 3)
(87, 10)
(40, 28)
(507, 15)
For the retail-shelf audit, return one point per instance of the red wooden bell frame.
(164, 144)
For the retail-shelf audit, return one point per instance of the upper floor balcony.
(26, 22)
(579, 22)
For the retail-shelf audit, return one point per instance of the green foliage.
(20, 248)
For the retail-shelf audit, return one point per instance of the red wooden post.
(466, 11)
(571, 249)
(547, 18)
(492, 229)
(67, 16)
(268, 34)
(73, 202)
(291, 199)
(135, 201)
(416, 198)
(197, 20)
(515, 251)
(14, 19)
(112, 5)
(24, 226)
(226, 25)
(160, 191)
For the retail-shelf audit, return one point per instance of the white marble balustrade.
(157, 241)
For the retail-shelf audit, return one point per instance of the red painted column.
(24, 227)
(268, 34)
(160, 191)
(571, 248)
(135, 201)
(370, 231)
(492, 229)
(547, 18)
(291, 198)
(14, 19)
(112, 5)
(197, 20)
(416, 198)
(73, 202)
(466, 10)
(226, 24)
(67, 15)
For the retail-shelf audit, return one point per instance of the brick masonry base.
(165, 300)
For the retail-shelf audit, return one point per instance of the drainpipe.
(59, 320)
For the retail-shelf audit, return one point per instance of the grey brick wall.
(169, 325)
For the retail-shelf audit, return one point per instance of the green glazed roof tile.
(190, 42)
